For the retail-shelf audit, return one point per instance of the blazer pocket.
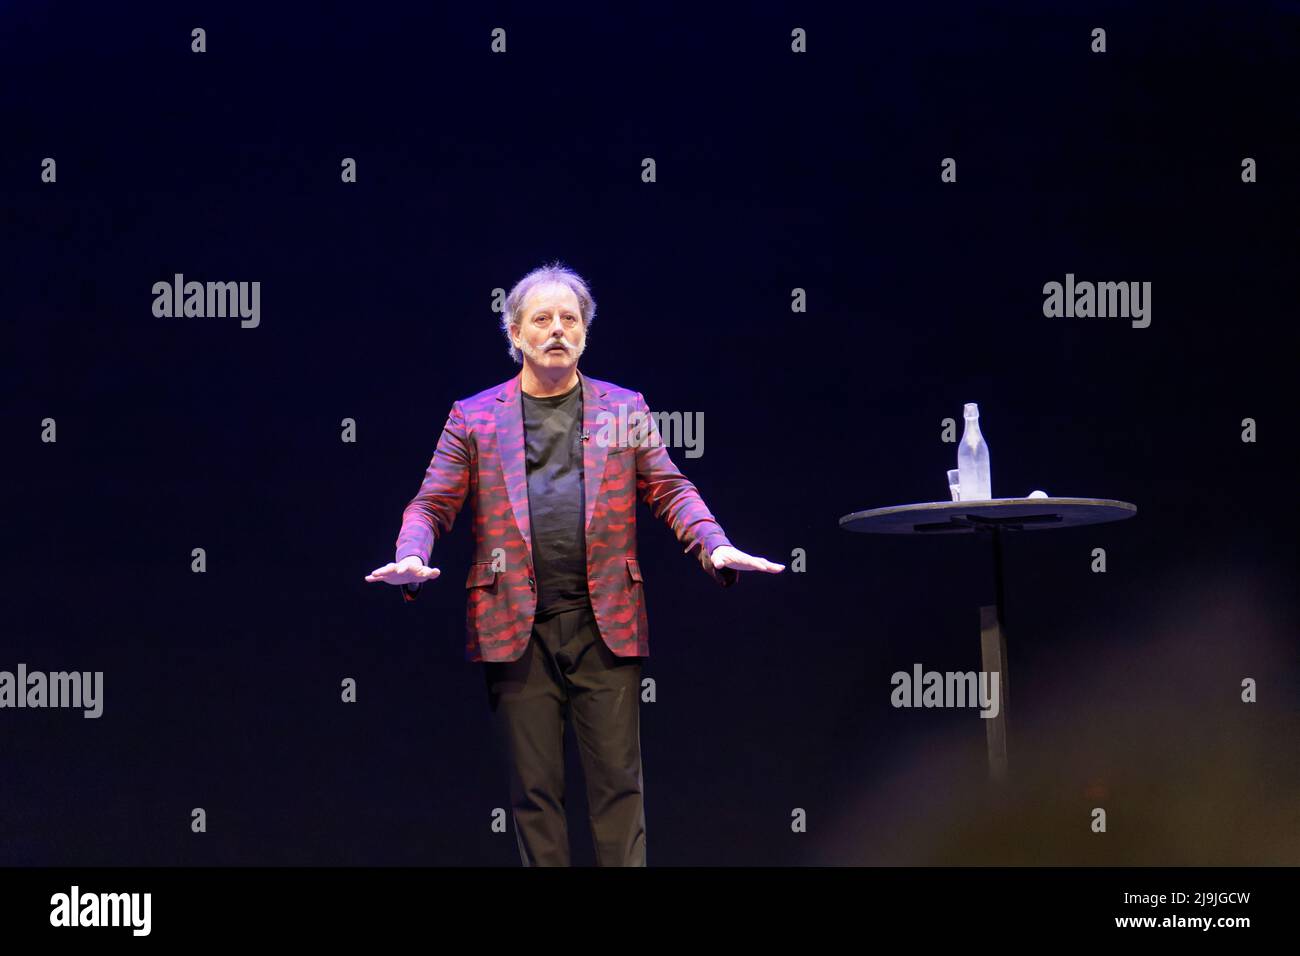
(634, 569)
(481, 574)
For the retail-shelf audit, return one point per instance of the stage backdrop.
(816, 230)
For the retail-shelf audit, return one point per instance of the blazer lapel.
(510, 447)
(593, 453)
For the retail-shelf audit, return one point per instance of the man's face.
(551, 335)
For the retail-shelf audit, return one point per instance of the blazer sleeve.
(675, 499)
(432, 512)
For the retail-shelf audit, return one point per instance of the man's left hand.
(725, 556)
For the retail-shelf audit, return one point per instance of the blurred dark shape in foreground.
(1147, 724)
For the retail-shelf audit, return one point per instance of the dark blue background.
(775, 171)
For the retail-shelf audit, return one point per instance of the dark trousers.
(568, 670)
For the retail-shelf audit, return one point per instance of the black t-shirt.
(556, 500)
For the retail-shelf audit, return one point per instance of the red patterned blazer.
(480, 456)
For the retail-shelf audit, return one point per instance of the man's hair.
(513, 312)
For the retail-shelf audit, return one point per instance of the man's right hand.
(410, 570)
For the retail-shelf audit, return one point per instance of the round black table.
(992, 517)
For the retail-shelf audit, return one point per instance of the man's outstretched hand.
(725, 556)
(410, 570)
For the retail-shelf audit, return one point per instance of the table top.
(965, 517)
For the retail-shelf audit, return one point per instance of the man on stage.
(555, 609)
